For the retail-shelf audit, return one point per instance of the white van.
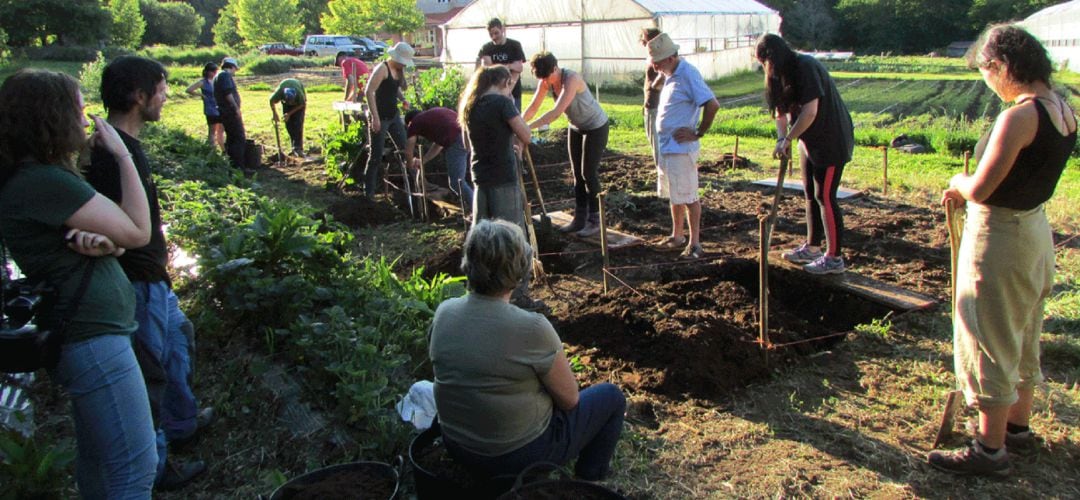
(330, 45)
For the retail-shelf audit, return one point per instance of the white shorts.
(677, 178)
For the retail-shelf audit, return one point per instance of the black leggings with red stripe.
(824, 220)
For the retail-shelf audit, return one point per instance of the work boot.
(580, 214)
(591, 227)
(971, 460)
(203, 419)
(179, 474)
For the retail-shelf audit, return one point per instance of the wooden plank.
(616, 239)
(842, 193)
(871, 289)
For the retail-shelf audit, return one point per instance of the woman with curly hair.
(1005, 268)
(63, 233)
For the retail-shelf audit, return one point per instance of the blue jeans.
(373, 172)
(457, 166)
(589, 432)
(162, 346)
(113, 427)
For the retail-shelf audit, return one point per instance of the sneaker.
(802, 255)
(1023, 443)
(671, 243)
(692, 252)
(203, 419)
(971, 460)
(826, 265)
(178, 474)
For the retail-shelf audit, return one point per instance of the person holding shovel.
(440, 126)
(1005, 268)
(290, 93)
(504, 391)
(806, 104)
(586, 139)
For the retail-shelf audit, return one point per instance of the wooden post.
(603, 241)
(735, 156)
(423, 185)
(763, 283)
(967, 161)
(885, 170)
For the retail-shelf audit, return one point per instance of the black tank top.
(1035, 174)
(386, 96)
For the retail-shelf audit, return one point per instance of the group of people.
(92, 230)
(504, 390)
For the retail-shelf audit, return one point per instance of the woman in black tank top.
(1005, 268)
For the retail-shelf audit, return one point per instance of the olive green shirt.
(489, 357)
(34, 204)
(279, 94)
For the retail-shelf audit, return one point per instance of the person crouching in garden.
(1005, 268)
(504, 390)
(585, 141)
(440, 126)
(799, 88)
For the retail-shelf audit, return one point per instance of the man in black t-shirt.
(505, 52)
(227, 96)
(133, 90)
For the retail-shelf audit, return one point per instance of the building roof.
(1067, 9)
(441, 17)
(704, 7)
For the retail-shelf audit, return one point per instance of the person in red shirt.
(440, 126)
(352, 69)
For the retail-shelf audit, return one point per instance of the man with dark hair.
(440, 126)
(227, 96)
(290, 93)
(133, 90)
(504, 52)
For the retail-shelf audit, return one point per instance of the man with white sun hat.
(385, 88)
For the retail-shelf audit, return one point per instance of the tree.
(310, 12)
(128, 24)
(362, 17)
(41, 22)
(170, 23)
(903, 26)
(986, 12)
(209, 11)
(809, 24)
(225, 32)
(265, 21)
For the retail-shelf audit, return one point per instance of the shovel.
(953, 399)
(277, 135)
(545, 221)
(537, 267)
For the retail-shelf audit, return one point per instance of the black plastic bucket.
(253, 152)
(340, 481)
(452, 480)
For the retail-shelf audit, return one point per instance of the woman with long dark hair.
(491, 123)
(205, 88)
(44, 202)
(808, 110)
(1005, 268)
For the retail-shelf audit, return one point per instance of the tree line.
(896, 26)
(866, 26)
(247, 23)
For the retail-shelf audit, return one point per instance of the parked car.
(280, 49)
(374, 50)
(330, 45)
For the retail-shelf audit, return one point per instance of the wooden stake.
(885, 170)
(735, 156)
(423, 185)
(603, 241)
(967, 161)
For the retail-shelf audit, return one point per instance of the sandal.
(670, 243)
(693, 252)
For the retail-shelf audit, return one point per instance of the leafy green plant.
(878, 327)
(90, 77)
(437, 87)
(344, 148)
(29, 469)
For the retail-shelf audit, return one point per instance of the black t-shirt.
(1035, 173)
(140, 264)
(492, 140)
(224, 84)
(831, 138)
(510, 51)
